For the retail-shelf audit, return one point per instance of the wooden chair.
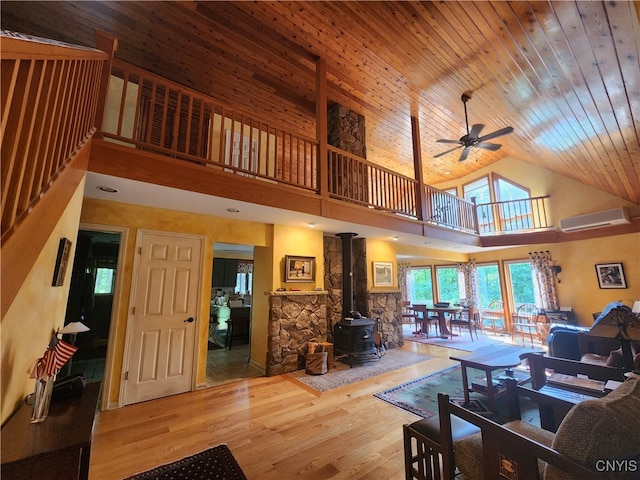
(494, 313)
(525, 322)
(424, 320)
(468, 319)
(408, 314)
(515, 450)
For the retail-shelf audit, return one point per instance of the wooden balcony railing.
(513, 215)
(50, 93)
(353, 179)
(450, 211)
(149, 112)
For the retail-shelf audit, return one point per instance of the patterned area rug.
(341, 374)
(214, 463)
(421, 396)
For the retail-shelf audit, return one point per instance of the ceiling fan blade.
(443, 140)
(489, 146)
(464, 154)
(448, 151)
(475, 130)
(497, 133)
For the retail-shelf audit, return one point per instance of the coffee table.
(490, 359)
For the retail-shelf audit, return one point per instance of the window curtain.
(245, 267)
(543, 277)
(404, 281)
(469, 274)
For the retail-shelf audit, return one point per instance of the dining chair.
(494, 314)
(525, 322)
(467, 318)
(408, 314)
(424, 320)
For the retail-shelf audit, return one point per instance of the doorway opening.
(230, 319)
(91, 298)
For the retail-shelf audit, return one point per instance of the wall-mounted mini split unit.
(617, 216)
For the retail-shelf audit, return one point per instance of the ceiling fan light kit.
(472, 138)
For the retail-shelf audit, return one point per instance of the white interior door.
(163, 326)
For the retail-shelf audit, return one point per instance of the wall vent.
(617, 216)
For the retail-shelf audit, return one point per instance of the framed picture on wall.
(382, 274)
(62, 260)
(299, 269)
(610, 275)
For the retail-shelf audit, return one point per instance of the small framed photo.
(299, 269)
(610, 275)
(62, 259)
(382, 274)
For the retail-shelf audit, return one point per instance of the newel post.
(109, 44)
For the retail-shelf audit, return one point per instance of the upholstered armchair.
(596, 437)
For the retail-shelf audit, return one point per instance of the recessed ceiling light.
(395, 237)
(233, 210)
(108, 189)
(311, 224)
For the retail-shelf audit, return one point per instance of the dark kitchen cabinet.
(224, 272)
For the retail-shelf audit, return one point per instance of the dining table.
(441, 313)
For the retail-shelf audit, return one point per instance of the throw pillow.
(615, 359)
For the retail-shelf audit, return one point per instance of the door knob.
(189, 320)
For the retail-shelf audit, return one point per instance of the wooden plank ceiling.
(565, 75)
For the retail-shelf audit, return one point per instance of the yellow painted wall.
(380, 251)
(135, 217)
(37, 311)
(416, 255)
(305, 242)
(568, 197)
(579, 286)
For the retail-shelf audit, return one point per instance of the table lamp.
(620, 322)
(72, 329)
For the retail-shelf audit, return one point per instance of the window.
(105, 279)
(450, 286)
(244, 278)
(422, 286)
(488, 284)
(479, 193)
(516, 213)
(522, 288)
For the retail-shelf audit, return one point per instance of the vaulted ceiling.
(565, 75)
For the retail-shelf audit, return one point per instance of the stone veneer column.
(346, 130)
(295, 319)
(386, 305)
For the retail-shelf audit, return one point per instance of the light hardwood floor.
(275, 427)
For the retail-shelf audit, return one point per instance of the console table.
(57, 448)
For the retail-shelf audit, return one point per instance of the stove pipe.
(347, 273)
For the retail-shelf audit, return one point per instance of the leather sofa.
(562, 341)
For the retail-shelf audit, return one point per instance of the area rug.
(461, 342)
(342, 374)
(214, 463)
(421, 396)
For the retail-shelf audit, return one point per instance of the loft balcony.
(150, 114)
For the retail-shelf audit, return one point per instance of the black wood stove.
(354, 334)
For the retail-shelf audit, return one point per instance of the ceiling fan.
(471, 139)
